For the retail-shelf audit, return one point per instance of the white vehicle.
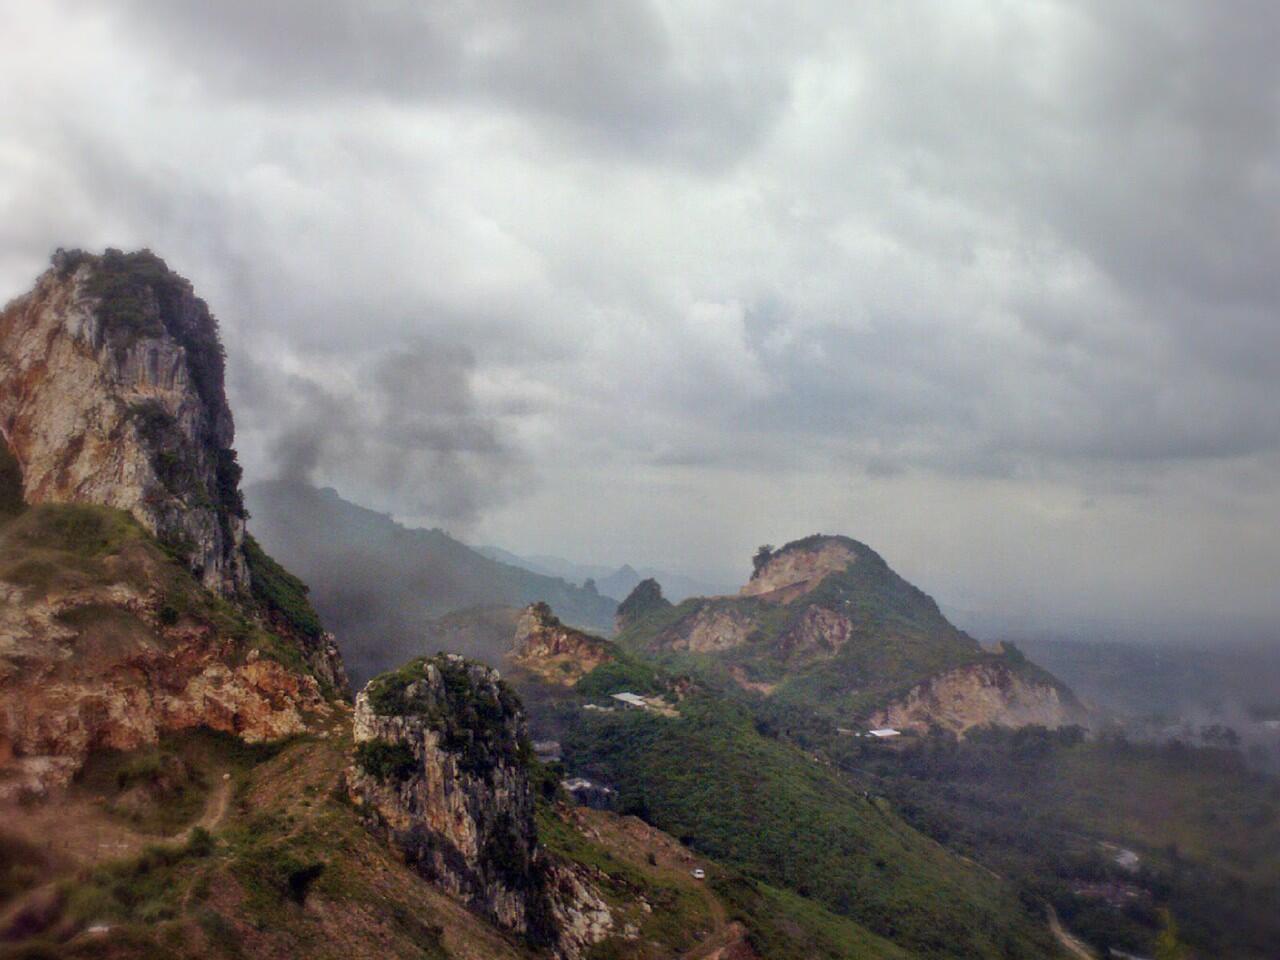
(699, 873)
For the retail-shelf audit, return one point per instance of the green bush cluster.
(386, 761)
(473, 720)
(280, 591)
(623, 673)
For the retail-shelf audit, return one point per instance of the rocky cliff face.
(131, 599)
(441, 772)
(557, 654)
(799, 568)
(106, 642)
(977, 695)
(111, 392)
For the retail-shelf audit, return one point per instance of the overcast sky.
(994, 287)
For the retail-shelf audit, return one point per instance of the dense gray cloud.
(989, 286)
(401, 432)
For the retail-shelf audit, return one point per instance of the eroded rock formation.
(105, 642)
(441, 772)
(798, 569)
(131, 599)
(111, 392)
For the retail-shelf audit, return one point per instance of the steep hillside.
(106, 642)
(709, 777)
(375, 581)
(556, 654)
(824, 622)
(1112, 833)
(131, 598)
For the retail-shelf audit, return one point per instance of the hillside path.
(1069, 943)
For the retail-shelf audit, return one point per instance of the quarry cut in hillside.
(557, 654)
(980, 695)
(111, 392)
(441, 773)
(793, 571)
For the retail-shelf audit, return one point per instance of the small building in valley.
(884, 733)
(631, 700)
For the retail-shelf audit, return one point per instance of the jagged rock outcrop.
(441, 771)
(111, 392)
(555, 653)
(977, 695)
(106, 642)
(132, 601)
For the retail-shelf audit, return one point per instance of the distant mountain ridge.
(614, 582)
(378, 582)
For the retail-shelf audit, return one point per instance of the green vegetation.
(1038, 805)
(622, 673)
(782, 925)
(143, 890)
(645, 599)
(385, 761)
(477, 721)
(280, 591)
(86, 531)
(712, 780)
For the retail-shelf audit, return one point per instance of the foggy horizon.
(997, 298)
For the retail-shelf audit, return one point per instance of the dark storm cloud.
(405, 431)
(807, 265)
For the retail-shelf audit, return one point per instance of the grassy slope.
(288, 870)
(774, 812)
(54, 551)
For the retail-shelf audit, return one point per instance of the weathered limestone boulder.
(111, 392)
(441, 771)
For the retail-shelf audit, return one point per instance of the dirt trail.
(215, 810)
(1069, 943)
